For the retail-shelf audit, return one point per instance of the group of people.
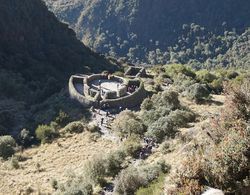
(103, 116)
(132, 88)
(146, 150)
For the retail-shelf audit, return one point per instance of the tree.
(7, 144)
(46, 133)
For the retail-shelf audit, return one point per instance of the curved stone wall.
(128, 101)
(74, 94)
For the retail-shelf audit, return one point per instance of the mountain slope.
(37, 56)
(133, 28)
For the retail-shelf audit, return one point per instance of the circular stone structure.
(106, 90)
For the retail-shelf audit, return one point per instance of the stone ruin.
(106, 90)
(135, 72)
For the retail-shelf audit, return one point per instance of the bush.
(182, 82)
(62, 119)
(132, 178)
(205, 77)
(147, 104)
(94, 171)
(46, 133)
(158, 106)
(7, 144)
(217, 85)
(127, 123)
(113, 163)
(170, 100)
(93, 127)
(129, 180)
(74, 186)
(161, 128)
(75, 127)
(174, 69)
(180, 118)
(165, 148)
(198, 92)
(132, 146)
(167, 126)
(229, 162)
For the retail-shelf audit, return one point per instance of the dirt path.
(105, 127)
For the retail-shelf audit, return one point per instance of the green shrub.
(180, 118)
(205, 76)
(94, 170)
(174, 69)
(127, 123)
(7, 144)
(167, 126)
(147, 104)
(113, 163)
(75, 127)
(132, 146)
(169, 99)
(74, 186)
(217, 85)
(46, 133)
(165, 147)
(160, 129)
(62, 119)
(182, 82)
(132, 178)
(158, 106)
(93, 127)
(198, 92)
(129, 180)
(230, 161)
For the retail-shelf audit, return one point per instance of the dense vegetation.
(225, 164)
(161, 31)
(37, 56)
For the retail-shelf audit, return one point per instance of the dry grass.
(56, 161)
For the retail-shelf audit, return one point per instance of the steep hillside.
(134, 28)
(37, 56)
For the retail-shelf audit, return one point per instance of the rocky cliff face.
(131, 28)
(37, 56)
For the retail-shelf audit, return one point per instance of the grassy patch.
(155, 188)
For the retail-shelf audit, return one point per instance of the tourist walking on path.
(102, 119)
